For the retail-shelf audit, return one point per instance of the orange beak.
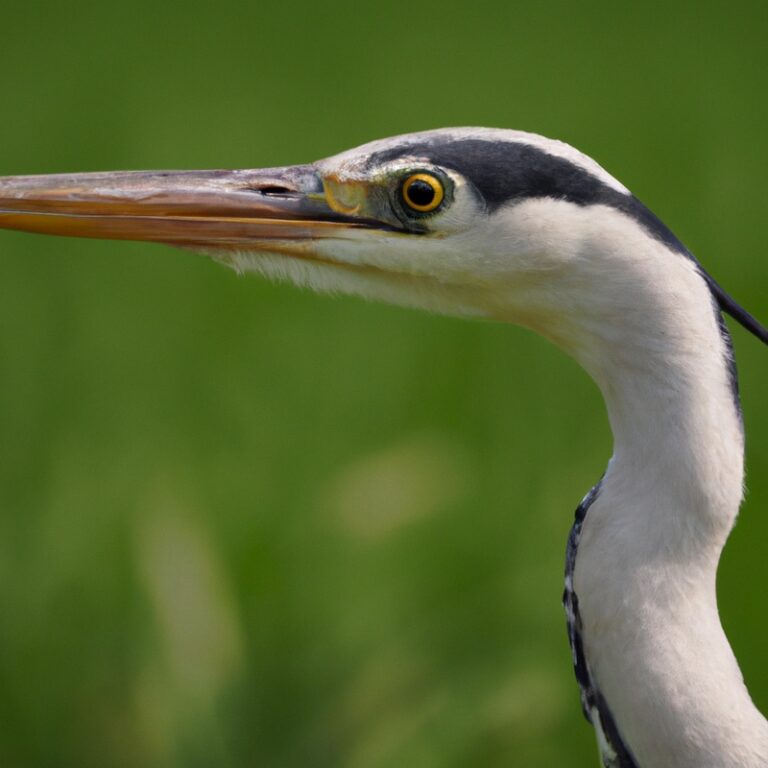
(209, 209)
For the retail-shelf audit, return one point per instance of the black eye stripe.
(505, 172)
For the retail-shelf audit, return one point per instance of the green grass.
(241, 525)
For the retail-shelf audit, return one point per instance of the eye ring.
(423, 192)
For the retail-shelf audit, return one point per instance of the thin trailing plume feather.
(731, 307)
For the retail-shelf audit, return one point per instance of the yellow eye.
(423, 192)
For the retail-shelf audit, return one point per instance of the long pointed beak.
(212, 209)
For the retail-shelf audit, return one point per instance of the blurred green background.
(245, 526)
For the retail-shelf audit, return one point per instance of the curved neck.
(651, 541)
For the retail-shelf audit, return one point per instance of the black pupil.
(421, 192)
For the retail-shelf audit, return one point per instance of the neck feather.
(651, 541)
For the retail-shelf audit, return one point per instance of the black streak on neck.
(592, 702)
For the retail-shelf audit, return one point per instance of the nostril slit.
(274, 190)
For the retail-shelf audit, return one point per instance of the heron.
(515, 227)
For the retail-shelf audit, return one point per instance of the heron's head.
(472, 221)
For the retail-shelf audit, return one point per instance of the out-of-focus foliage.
(241, 525)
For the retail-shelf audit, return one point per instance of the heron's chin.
(298, 263)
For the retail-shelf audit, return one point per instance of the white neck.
(651, 541)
